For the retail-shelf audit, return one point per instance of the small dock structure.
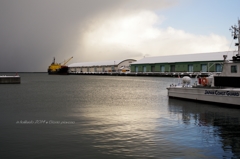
(4, 79)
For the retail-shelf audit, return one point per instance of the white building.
(102, 66)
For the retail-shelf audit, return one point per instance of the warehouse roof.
(213, 56)
(100, 63)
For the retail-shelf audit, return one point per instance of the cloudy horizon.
(33, 32)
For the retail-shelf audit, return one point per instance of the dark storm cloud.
(32, 32)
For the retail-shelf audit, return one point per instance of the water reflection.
(115, 117)
(219, 126)
(135, 119)
(123, 131)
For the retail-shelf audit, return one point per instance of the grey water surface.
(116, 117)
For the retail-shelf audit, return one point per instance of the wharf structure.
(201, 64)
(181, 65)
(102, 67)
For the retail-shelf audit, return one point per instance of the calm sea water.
(110, 117)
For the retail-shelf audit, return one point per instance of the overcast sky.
(32, 32)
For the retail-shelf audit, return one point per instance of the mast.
(238, 38)
(236, 35)
(53, 61)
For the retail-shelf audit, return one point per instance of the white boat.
(218, 88)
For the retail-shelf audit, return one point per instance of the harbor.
(223, 88)
(127, 79)
(112, 114)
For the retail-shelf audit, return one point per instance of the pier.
(152, 74)
(10, 79)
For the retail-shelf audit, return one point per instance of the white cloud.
(137, 35)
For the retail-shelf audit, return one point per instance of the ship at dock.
(58, 68)
(221, 88)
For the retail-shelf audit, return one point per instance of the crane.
(67, 61)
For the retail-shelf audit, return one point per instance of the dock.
(152, 74)
(10, 79)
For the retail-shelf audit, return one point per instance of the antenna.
(236, 35)
(235, 31)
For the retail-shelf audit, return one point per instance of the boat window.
(233, 69)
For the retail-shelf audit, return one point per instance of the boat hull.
(61, 71)
(224, 96)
